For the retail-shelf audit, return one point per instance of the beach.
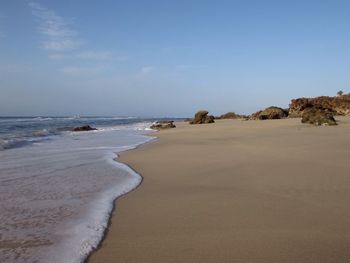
(174, 131)
(236, 191)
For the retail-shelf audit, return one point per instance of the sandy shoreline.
(236, 191)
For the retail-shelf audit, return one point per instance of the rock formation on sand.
(228, 115)
(270, 113)
(339, 105)
(202, 117)
(231, 115)
(84, 128)
(162, 125)
(317, 117)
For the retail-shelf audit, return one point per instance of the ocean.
(57, 187)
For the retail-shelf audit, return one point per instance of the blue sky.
(169, 58)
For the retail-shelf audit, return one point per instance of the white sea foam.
(56, 196)
(143, 126)
(16, 142)
(42, 119)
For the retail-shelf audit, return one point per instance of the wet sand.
(236, 191)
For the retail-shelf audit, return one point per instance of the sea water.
(57, 187)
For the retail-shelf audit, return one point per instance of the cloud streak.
(101, 56)
(147, 69)
(58, 35)
(95, 55)
(63, 46)
(79, 71)
(57, 56)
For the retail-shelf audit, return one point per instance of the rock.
(255, 116)
(228, 115)
(318, 117)
(297, 106)
(231, 115)
(84, 128)
(209, 119)
(202, 117)
(162, 125)
(270, 113)
(339, 105)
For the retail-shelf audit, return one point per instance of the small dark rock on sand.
(84, 128)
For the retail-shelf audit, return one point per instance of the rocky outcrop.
(232, 116)
(228, 115)
(202, 117)
(270, 114)
(339, 105)
(84, 128)
(209, 119)
(317, 117)
(163, 125)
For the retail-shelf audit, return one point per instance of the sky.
(169, 58)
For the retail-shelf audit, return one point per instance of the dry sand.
(236, 191)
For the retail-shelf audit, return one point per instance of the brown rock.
(202, 117)
(162, 125)
(339, 105)
(270, 113)
(229, 115)
(318, 117)
(209, 119)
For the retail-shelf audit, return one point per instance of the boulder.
(228, 115)
(339, 105)
(270, 113)
(209, 119)
(162, 125)
(84, 128)
(318, 116)
(231, 115)
(202, 117)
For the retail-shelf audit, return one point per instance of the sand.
(236, 191)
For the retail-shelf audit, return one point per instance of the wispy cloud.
(56, 29)
(183, 66)
(147, 69)
(95, 55)
(57, 56)
(78, 71)
(63, 45)
(101, 55)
